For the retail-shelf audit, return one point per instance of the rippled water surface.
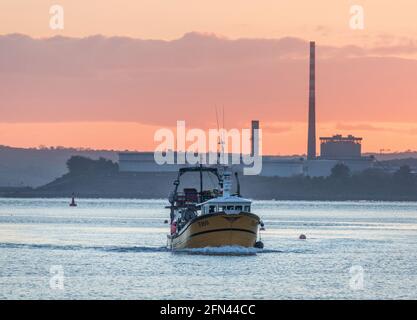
(116, 249)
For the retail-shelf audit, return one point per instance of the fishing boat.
(211, 218)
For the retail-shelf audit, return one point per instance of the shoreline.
(129, 197)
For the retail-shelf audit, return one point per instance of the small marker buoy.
(73, 204)
(259, 245)
(302, 237)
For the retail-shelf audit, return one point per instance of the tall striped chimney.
(255, 126)
(311, 147)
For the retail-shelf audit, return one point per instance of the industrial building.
(339, 147)
(271, 165)
(333, 150)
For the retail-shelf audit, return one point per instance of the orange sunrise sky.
(121, 69)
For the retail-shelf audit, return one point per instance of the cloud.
(389, 45)
(274, 128)
(372, 127)
(157, 82)
(361, 127)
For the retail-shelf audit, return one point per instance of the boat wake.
(225, 251)
(215, 251)
(81, 247)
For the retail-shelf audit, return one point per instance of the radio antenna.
(218, 137)
(223, 137)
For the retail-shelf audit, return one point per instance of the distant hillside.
(101, 178)
(393, 155)
(36, 167)
(411, 162)
(157, 186)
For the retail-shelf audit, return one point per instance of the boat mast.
(219, 143)
(238, 184)
(201, 181)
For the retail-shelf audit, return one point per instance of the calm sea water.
(116, 249)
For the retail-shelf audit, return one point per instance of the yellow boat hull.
(218, 230)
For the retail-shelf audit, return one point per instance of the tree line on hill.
(101, 178)
(79, 165)
(343, 184)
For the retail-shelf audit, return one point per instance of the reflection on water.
(117, 249)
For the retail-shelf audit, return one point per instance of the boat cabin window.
(225, 208)
(234, 208)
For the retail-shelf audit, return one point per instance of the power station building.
(339, 147)
(333, 150)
